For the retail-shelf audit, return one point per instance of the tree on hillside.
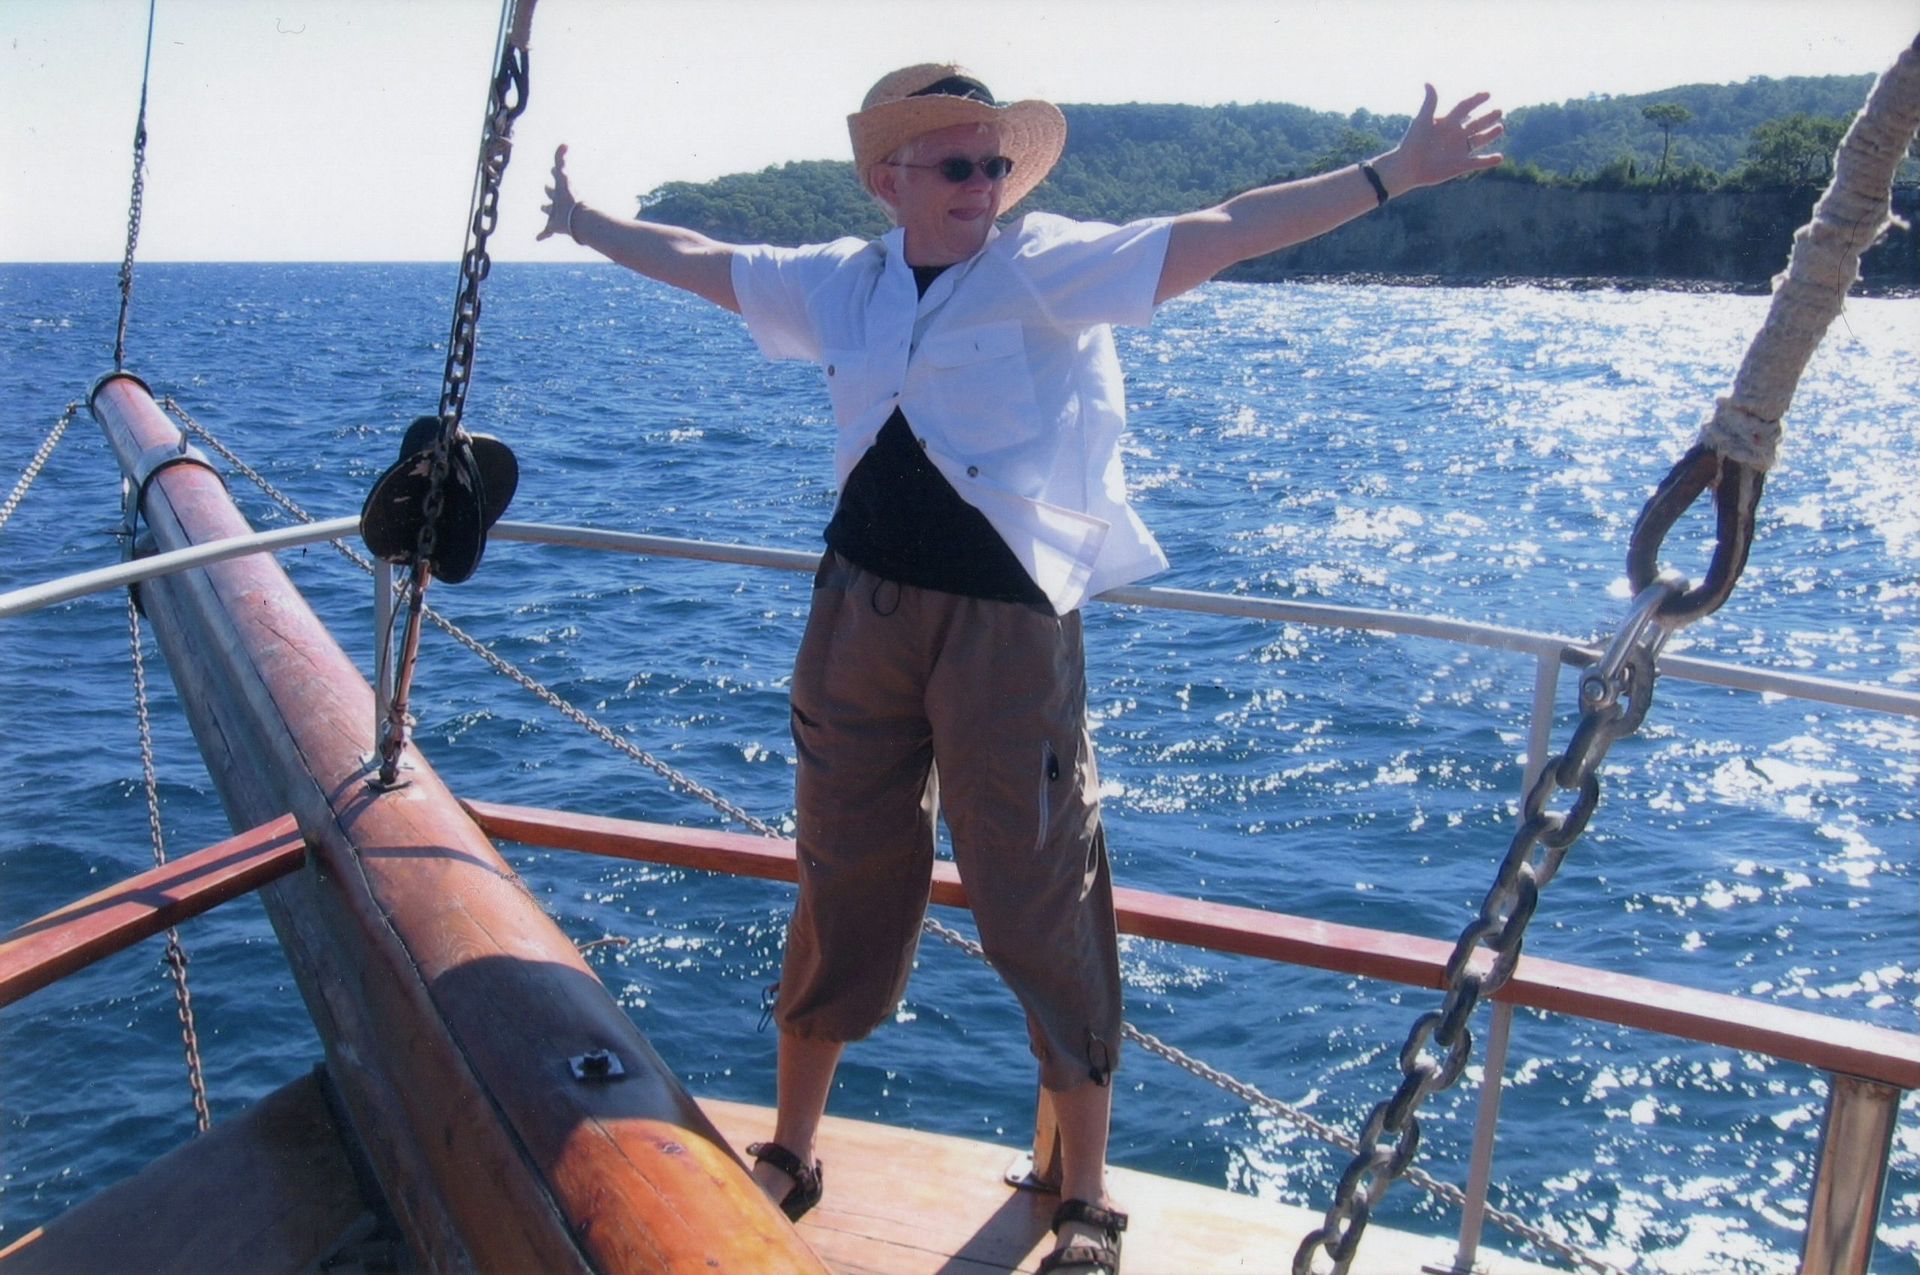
(1666, 116)
(1584, 135)
(1352, 146)
(1794, 151)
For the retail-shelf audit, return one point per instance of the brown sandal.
(808, 1184)
(1086, 1259)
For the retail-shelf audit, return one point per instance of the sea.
(1478, 453)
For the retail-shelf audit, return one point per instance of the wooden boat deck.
(273, 1190)
(901, 1202)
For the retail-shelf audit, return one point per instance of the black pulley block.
(480, 481)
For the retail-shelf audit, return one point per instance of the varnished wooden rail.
(68, 939)
(1831, 1044)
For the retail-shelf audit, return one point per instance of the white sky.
(347, 129)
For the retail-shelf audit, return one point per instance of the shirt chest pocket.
(977, 384)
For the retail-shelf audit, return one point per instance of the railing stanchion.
(1850, 1177)
(1546, 682)
(1473, 1214)
(1039, 1169)
(1046, 1138)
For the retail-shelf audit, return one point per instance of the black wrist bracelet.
(1379, 187)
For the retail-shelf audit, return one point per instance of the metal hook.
(1737, 494)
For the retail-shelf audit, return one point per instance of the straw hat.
(935, 95)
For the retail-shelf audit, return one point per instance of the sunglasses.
(958, 168)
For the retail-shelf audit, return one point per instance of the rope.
(1825, 261)
(134, 204)
(1152, 1044)
(176, 956)
(38, 462)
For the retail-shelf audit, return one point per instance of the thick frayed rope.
(1855, 210)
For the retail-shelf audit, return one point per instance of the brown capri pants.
(891, 679)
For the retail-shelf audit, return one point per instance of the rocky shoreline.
(1505, 234)
(1572, 283)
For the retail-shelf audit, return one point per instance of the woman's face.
(945, 221)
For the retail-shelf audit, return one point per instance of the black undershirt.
(901, 519)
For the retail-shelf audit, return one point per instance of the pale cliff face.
(1493, 229)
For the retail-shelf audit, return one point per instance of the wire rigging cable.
(133, 205)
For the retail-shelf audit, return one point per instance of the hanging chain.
(1614, 698)
(677, 779)
(176, 954)
(253, 475)
(38, 463)
(133, 207)
(506, 99)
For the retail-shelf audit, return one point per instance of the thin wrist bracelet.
(1379, 187)
(577, 206)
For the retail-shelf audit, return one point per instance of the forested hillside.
(1136, 160)
(1583, 138)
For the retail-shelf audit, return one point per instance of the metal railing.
(1543, 646)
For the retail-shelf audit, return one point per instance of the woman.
(979, 407)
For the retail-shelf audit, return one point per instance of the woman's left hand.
(1439, 149)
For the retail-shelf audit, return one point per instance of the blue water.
(1476, 453)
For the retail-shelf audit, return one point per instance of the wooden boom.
(449, 1004)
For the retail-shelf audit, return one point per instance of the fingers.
(1466, 107)
(1484, 130)
(1426, 108)
(554, 191)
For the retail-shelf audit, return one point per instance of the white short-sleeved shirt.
(1005, 369)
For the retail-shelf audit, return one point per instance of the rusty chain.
(176, 954)
(506, 99)
(1614, 698)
